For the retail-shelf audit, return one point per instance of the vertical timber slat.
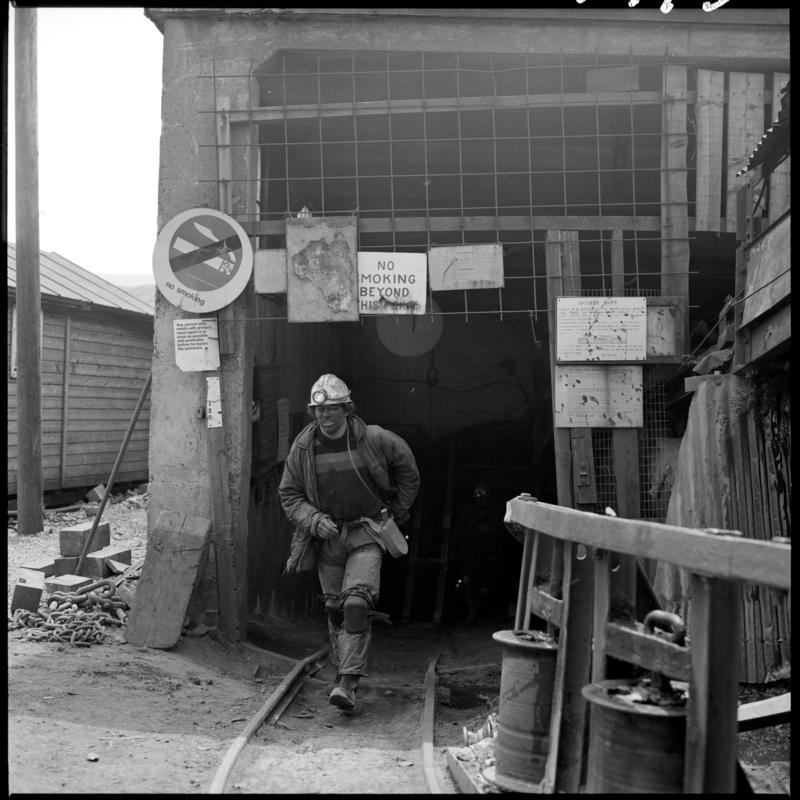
(617, 265)
(780, 178)
(65, 398)
(745, 128)
(674, 199)
(709, 111)
(221, 526)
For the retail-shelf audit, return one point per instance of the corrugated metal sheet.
(775, 143)
(59, 277)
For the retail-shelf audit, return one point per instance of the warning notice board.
(196, 344)
(607, 396)
(392, 283)
(601, 328)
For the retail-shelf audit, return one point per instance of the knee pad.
(355, 614)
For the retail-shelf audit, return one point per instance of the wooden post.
(30, 516)
(711, 726)
(221, 516)
(441, 587)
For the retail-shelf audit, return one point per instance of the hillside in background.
(141, 286)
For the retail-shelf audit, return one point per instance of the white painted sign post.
(392, 283)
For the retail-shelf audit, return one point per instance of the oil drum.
(523, 716)
(634, 748)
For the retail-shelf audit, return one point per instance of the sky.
(99, 124)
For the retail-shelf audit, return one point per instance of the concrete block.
(97, 494)
(66, 583)
(95, 562)
(116, 567)
(28, 590)
(66, 565)
(47, 565)
(73, 538)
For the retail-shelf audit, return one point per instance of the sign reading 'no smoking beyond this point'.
(202, 260)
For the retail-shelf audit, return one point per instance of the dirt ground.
(115, 718)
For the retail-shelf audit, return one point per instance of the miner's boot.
(353, 648)
(344, 695)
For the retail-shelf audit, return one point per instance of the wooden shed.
(97, 346)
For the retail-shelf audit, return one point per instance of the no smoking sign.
(202, 260)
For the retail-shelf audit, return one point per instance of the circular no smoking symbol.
(202, 260)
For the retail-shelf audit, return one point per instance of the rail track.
(297, 742)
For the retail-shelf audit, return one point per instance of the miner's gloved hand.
(326, 528)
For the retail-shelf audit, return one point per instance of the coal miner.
(345, 487)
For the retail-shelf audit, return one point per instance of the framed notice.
(601, 328)
(598, 396)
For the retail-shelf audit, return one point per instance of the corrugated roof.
(60, 277)
(775, 144)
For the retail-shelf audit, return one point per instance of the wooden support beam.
(547, 607)
(617, 264)
(388, 224)
(633, 645)
(711, 725)
(527, 576)
(224, 549)
(674, 198)
(415, 106)
(575, 650)
(441, 585)
(709, 115)
(745, 128)
(722, 554)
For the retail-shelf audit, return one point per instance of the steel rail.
(428, 761)
(222, 776)
(283, 695)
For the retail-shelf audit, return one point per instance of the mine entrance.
(426, 150)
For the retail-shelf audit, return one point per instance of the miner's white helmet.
(328, 390)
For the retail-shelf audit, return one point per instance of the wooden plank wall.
(753, 103)
(52, 363)
(745, 128)
(107, 358)
(109, 362)
(728, 477)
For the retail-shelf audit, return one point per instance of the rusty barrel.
(634, 748)
(523, 716)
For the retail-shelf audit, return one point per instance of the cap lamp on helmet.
(329, 390)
